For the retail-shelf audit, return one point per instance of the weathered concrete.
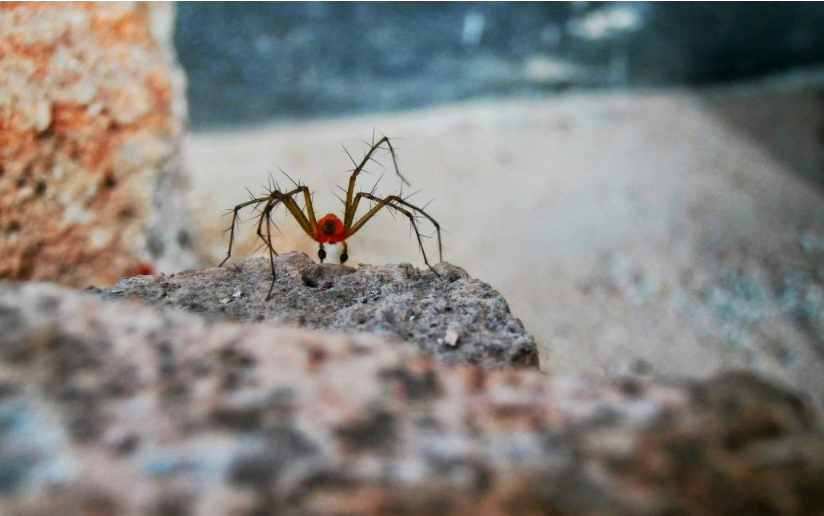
(457, 318)
(118, 409)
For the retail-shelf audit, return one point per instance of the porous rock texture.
(113, 408)
(445, 312)
(92, 109)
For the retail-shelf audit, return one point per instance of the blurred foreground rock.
(92, 110)
(117, 409)
(460, 319)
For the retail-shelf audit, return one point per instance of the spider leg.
(235, 222)
(275, 197)
(287, 199)
(306, 220)
(394, 201)
(267, 215)
(349, 214)
(399, 204)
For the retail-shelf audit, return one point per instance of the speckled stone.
(120, 409)
(92, 110)
(459, 319)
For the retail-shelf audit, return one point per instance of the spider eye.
(321, 254)
(344, 257)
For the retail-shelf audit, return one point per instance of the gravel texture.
(112, 408)
(449, 314)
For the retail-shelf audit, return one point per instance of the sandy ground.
(678, 232)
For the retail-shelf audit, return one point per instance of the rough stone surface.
(451, 315)
(120, 409)
(91, 116)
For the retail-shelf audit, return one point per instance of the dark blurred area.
(253, 62)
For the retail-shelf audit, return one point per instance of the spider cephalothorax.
(330, 232)
(330, 229)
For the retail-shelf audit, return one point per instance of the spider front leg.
(351, 205)
(396, 202)
(305, 220)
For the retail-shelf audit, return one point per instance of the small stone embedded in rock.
(451, 338)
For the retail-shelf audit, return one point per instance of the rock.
(118, 408)
(92, 110)
(397, 300)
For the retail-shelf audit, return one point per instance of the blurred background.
(258, 62)
(642, 181)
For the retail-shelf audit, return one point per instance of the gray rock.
(120, 409)
(457, 318)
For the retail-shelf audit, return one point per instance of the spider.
(330, 232)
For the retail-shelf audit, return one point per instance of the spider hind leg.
(349, 214)
(401, 205)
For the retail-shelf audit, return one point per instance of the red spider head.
(331, 232)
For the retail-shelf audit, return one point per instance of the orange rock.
(91, 115)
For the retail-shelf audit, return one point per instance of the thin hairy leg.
(307, 223)
(349, 212)
(307, 198)
(272, 253)
(266, 217)
(305, 220)
(392, 201)
(235, 214)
